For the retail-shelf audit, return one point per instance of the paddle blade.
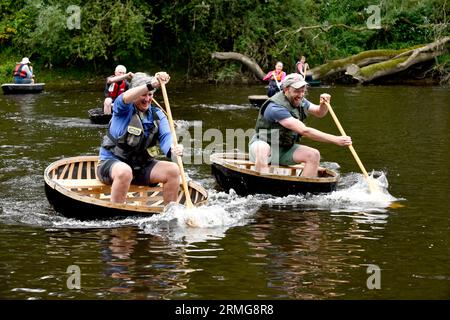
(373, 186)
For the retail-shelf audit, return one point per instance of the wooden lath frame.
(76, 178)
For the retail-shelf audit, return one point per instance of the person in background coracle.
(302, 67)
(135, 126)
(23, 72)
(115, 85)
(280, 126)
(275, 77)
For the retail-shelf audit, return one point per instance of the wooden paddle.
(372, 186)
(162, 109)
(188, 203)
(276, 81)
(159, 106)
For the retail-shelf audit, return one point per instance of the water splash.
(352, 195)
(211, 221)
(185, 124)
(223, 211)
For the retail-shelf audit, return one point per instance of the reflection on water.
(117, 257)
(304, 261)
(309, 260)
(146, 266)
(25, 102)
(253, 247)
(294, 254)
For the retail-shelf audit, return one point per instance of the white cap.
(25, 60)
(294, 80)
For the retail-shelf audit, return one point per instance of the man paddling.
(280, 126)
(23, 72)
(115, 85)
(135, 126)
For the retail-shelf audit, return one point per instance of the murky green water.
(315, 247)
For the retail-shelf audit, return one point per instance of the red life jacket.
(117, 89)
(278, 75)
(18, 72)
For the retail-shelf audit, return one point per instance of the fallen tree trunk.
(250, 63)
(364, 67)
(398, 63)
(377, 70)
(332, 68)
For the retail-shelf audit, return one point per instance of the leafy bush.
(115, 30)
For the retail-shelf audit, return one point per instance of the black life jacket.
(131, 147)
(264, 127)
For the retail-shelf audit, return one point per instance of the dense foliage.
(182, 34)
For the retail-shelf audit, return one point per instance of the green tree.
(115, 30)
(182, 34)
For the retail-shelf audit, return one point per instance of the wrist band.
(149, 86)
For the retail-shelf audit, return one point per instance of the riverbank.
(54, 76)
(73, 75)
(64, 77)
(90, 76)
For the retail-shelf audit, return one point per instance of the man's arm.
(164, 134)
(113, 79)
(314, 134)
(268, 76)
(320, 110)
(132, 94)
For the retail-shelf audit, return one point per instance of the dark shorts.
(140, 176)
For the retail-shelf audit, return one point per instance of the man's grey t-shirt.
(276, 113)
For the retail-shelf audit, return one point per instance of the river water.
(350, 244)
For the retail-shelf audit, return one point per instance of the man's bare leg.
(107, 105)
(121, 174)
(262, 153)
(311, 158)
(168, 173)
